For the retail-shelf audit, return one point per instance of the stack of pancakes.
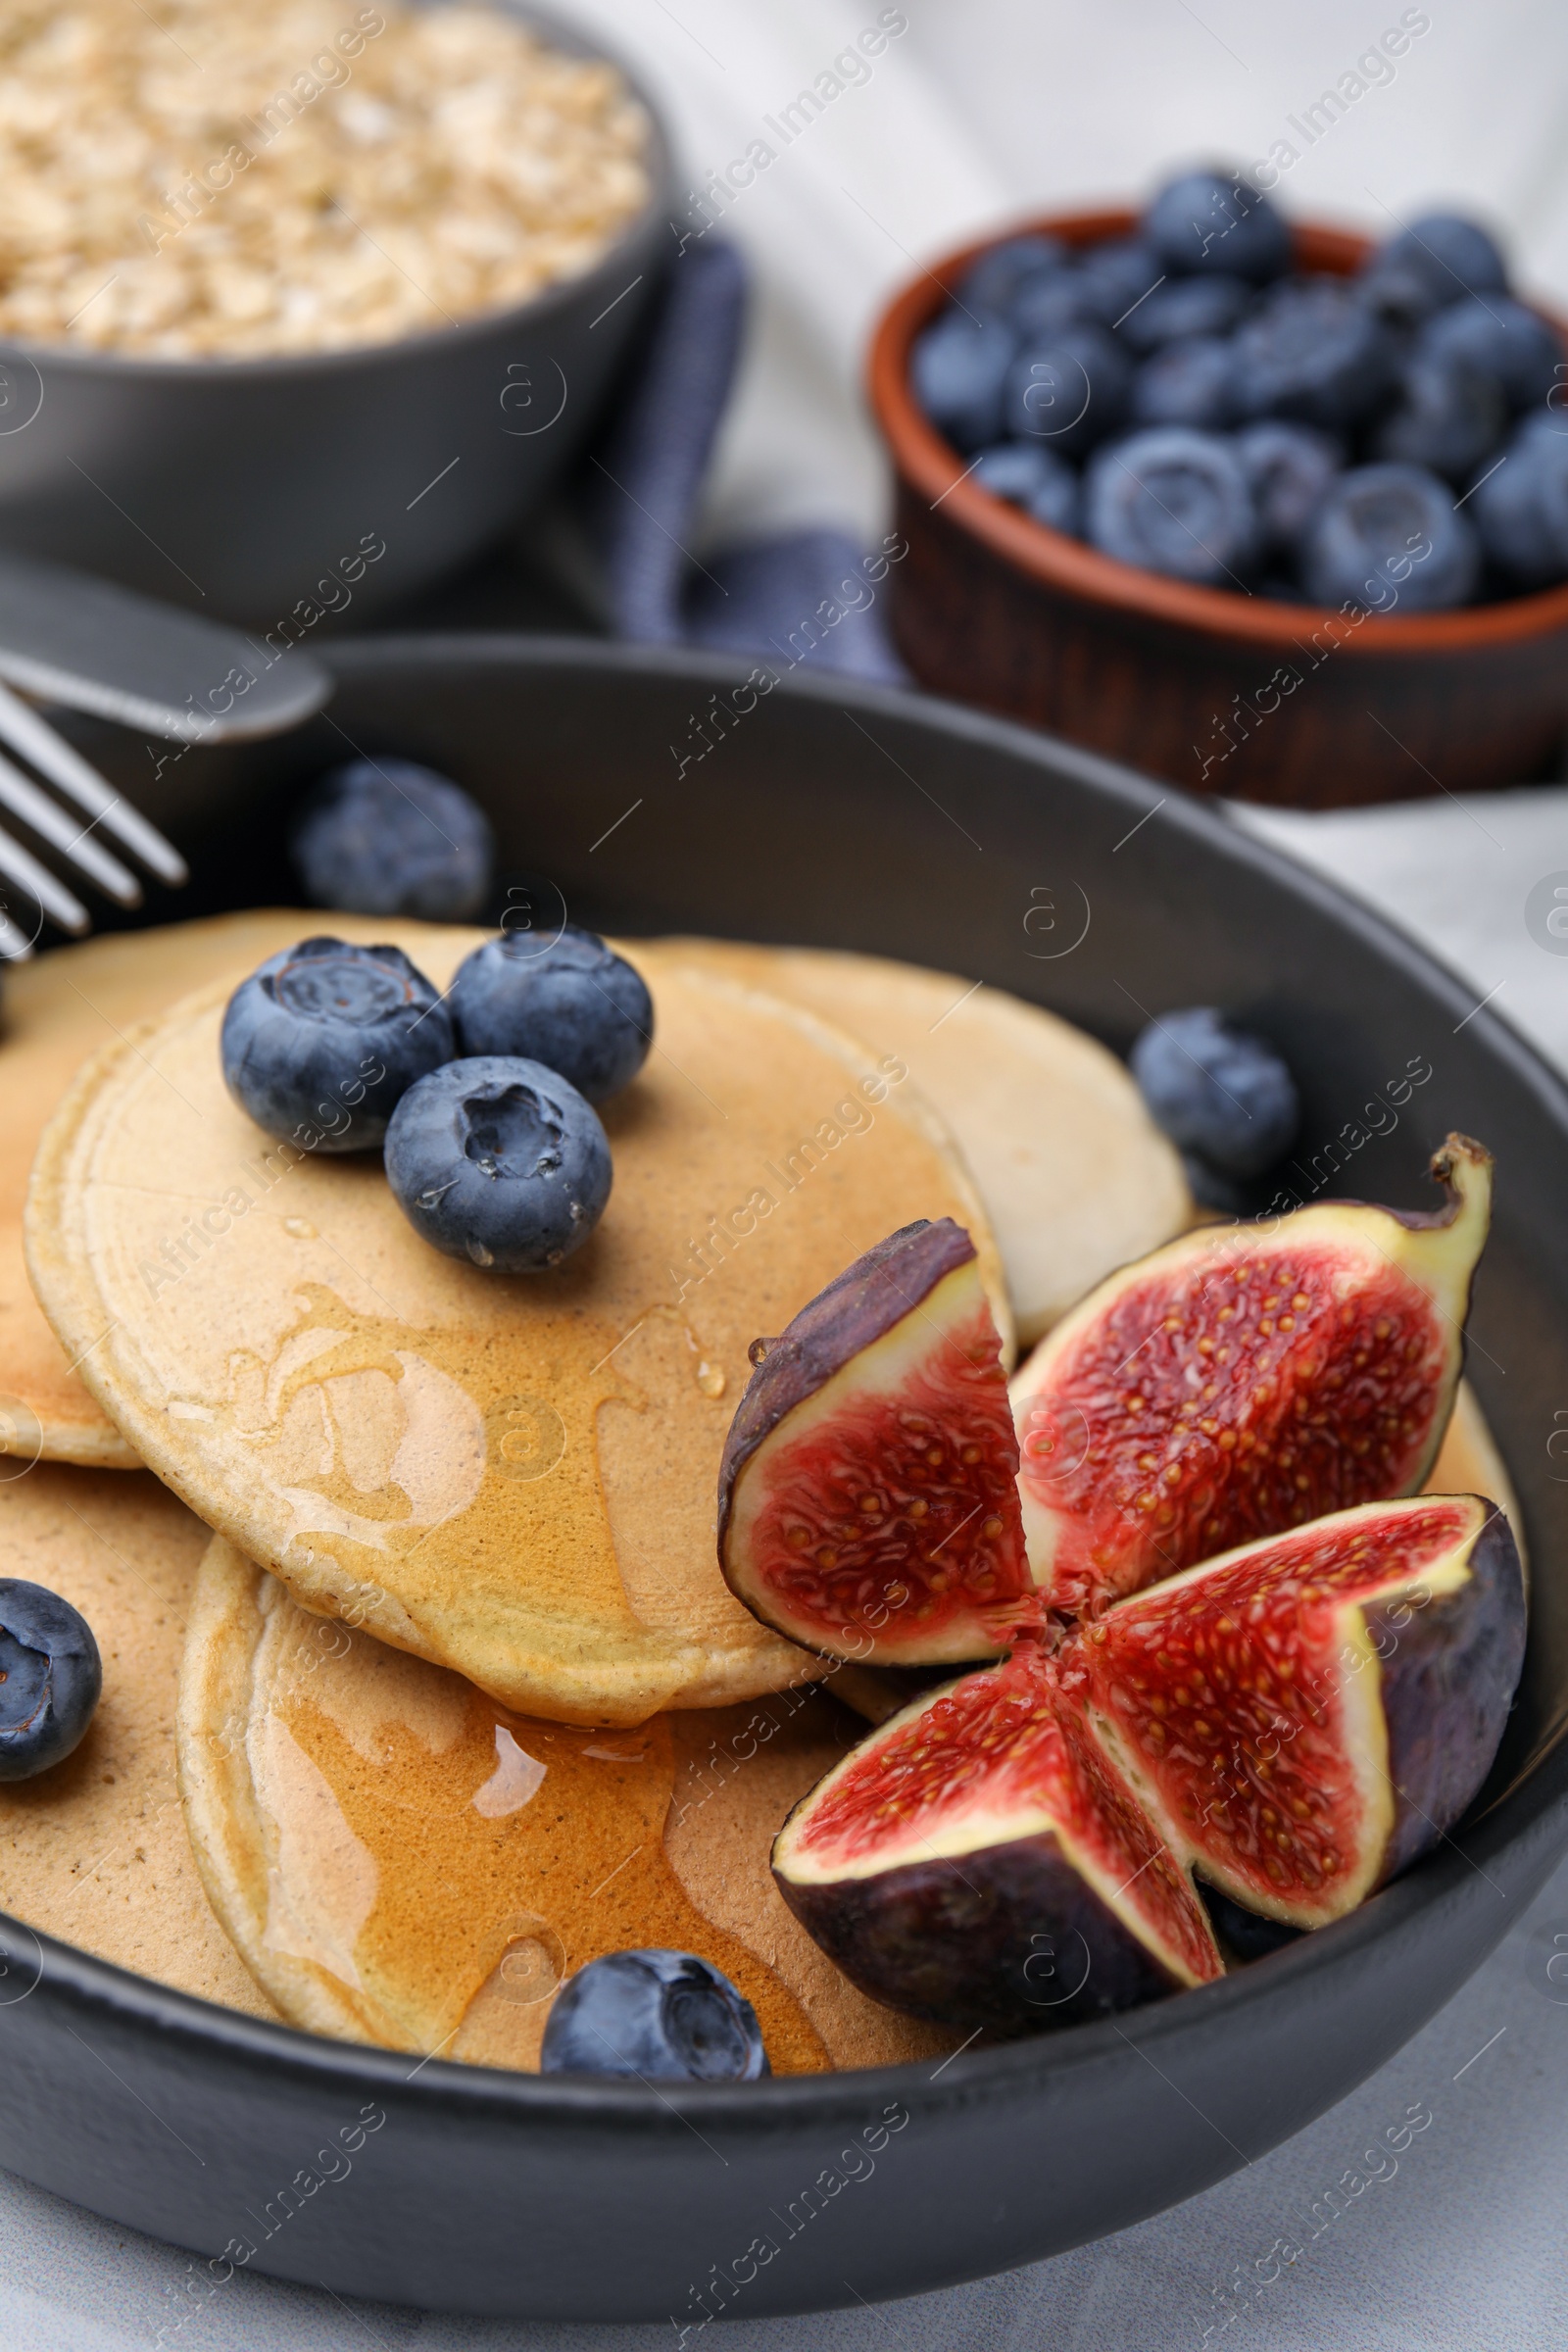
(422, 1687)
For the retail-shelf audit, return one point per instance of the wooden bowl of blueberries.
(1259, 506)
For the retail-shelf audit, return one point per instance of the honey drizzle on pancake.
(374, 1433)
(426, 1844)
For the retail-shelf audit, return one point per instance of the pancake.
(1075, 1176)
(1468, 1463)
(510, 1476)
(400, 1861)
(58, 1009)
(95, 1851)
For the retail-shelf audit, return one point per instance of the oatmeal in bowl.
(222, 183)
(271, 281)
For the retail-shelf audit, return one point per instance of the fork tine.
(20, 795)
(22, 727)
(15, 945)
(56, 902)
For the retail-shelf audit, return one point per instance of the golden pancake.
(1075, 1176)
(1468, 1463)
(95, 1851)
(401, 1861)
(510, 1476)
(58, 1009)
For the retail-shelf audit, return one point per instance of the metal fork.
(79, 642)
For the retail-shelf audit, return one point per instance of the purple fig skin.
(856, 1308)
(1009, 1936)
(1449, 1671)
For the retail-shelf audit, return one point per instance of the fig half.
(1243, 1380)
(1309, 1713)
(1295, 1722)
(868, 1495)
(981, 1860)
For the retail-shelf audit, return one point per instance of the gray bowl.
(260, 490)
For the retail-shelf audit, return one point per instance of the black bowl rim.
(66, 359)
(1519, 1816)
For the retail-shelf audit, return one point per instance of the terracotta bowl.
(1196, 684)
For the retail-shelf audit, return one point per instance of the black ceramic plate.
(847, 818)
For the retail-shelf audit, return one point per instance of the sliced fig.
(980, 1860)
(1309, 1713)
(1243, 1380)
(868, 1497)
(1295, 1722)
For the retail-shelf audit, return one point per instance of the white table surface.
(1462, 2250)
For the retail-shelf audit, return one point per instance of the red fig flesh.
(868, 1501)
(1296, 1722)
(1243, 1380)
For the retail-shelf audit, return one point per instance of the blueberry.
(1506, 340)
(1521, 510)
(499, 1160)
(1205, 223)
(1216, 1090)
(1187, 383)
(322, 1038)
(1116, 274)
(575, 1004)
(1010, 470)
(1315, 353)
(1389, 536)
(995, 277)
(50, 1678)
(1432, 263)
(1046, 305)
(388, 837)
(1069, 391)
(1449, 416)
(1173, 501)
(1185, 306)
(957, 370)
(666, 2017)
(1289, 469)
(1028, 475)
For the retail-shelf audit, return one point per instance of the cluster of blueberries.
(1187, 403)
(482, 1100)
(1223, 1095)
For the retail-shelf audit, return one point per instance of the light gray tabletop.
(1460, 2249)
